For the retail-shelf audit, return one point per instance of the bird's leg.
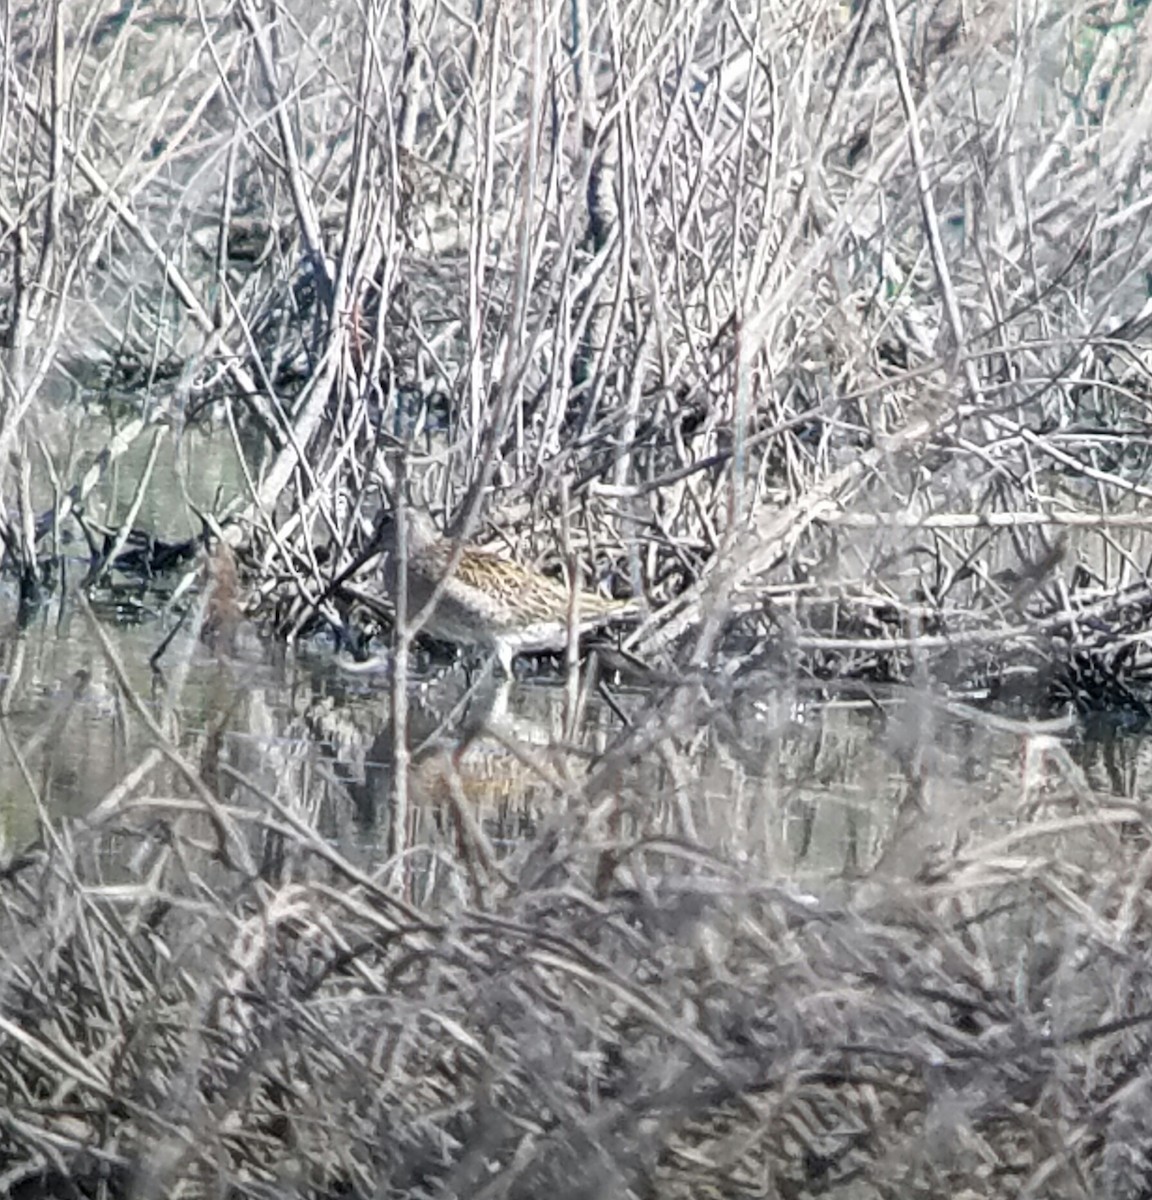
(504, 658)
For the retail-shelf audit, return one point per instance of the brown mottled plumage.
(488, 601)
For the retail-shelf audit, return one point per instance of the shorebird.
(487, 601)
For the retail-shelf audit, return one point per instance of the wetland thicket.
(821, 330)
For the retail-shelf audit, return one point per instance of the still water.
(801, 783)
(797, 781)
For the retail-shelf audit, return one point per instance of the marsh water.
(803, 782)
(806, 781)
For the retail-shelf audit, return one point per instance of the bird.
(486, 601)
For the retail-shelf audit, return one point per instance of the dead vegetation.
(815, 325)
(608, 1011)
(824, 328)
